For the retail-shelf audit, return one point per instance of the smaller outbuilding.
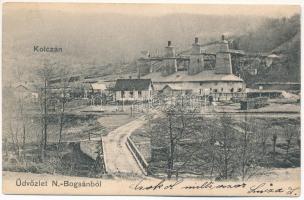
(26, 91)
(175, 90)
(133, 89)
(98, 88)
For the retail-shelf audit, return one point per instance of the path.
(118, 158)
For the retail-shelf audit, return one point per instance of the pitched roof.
(98, 86)
(22, 86)
(182, 76)
(132, 84)
(176, 88)
(25, 85)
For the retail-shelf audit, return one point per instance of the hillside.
(104, 41)
(280, 37)
(103, 44)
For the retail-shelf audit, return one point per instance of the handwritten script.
(250, 189)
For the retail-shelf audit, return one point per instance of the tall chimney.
(196, 40)
(196, 48)
(170, 64)
(196, 63)
(223, 58)
(169, 50)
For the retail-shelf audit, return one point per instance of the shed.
(98, 87)
(171, 89)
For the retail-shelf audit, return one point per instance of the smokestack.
(169, 50)
(223, 58)
(196, 63)
(196, 40)
(170, 64)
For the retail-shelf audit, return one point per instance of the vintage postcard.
(151, 99)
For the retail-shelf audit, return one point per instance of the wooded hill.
(108, 44)
(280, 37)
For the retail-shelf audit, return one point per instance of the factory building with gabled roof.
(218, 81)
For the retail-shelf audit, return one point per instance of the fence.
(103, 155)
(141, 161)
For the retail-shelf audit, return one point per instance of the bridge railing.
(141, 161)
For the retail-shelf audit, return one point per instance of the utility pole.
(138, 68)
(45, 113)
(123, 103)
(171, 150)
(205, 96)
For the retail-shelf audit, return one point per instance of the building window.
(240, 90)
(210, 89)
(122, 94)
(139, 94)
(231, 90)
(131, 94)
(215, 90)
(222, 89)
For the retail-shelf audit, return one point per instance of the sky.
(160, 9)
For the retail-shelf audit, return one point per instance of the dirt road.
(118, 158)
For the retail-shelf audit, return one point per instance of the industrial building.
(204, 70)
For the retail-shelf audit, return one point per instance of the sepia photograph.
(151, 99)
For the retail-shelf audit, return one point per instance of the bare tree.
(249, 148)
(22, 117)
(179, 124)
(63, 99)
(14, 129)
(11, 122)
(274, 142)
(263, 135)
(226, 148)
(172, 142)
(299, 138)
(245, 142)
(20, 103)
(289, 133)
(45, 73)
(209, 146)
